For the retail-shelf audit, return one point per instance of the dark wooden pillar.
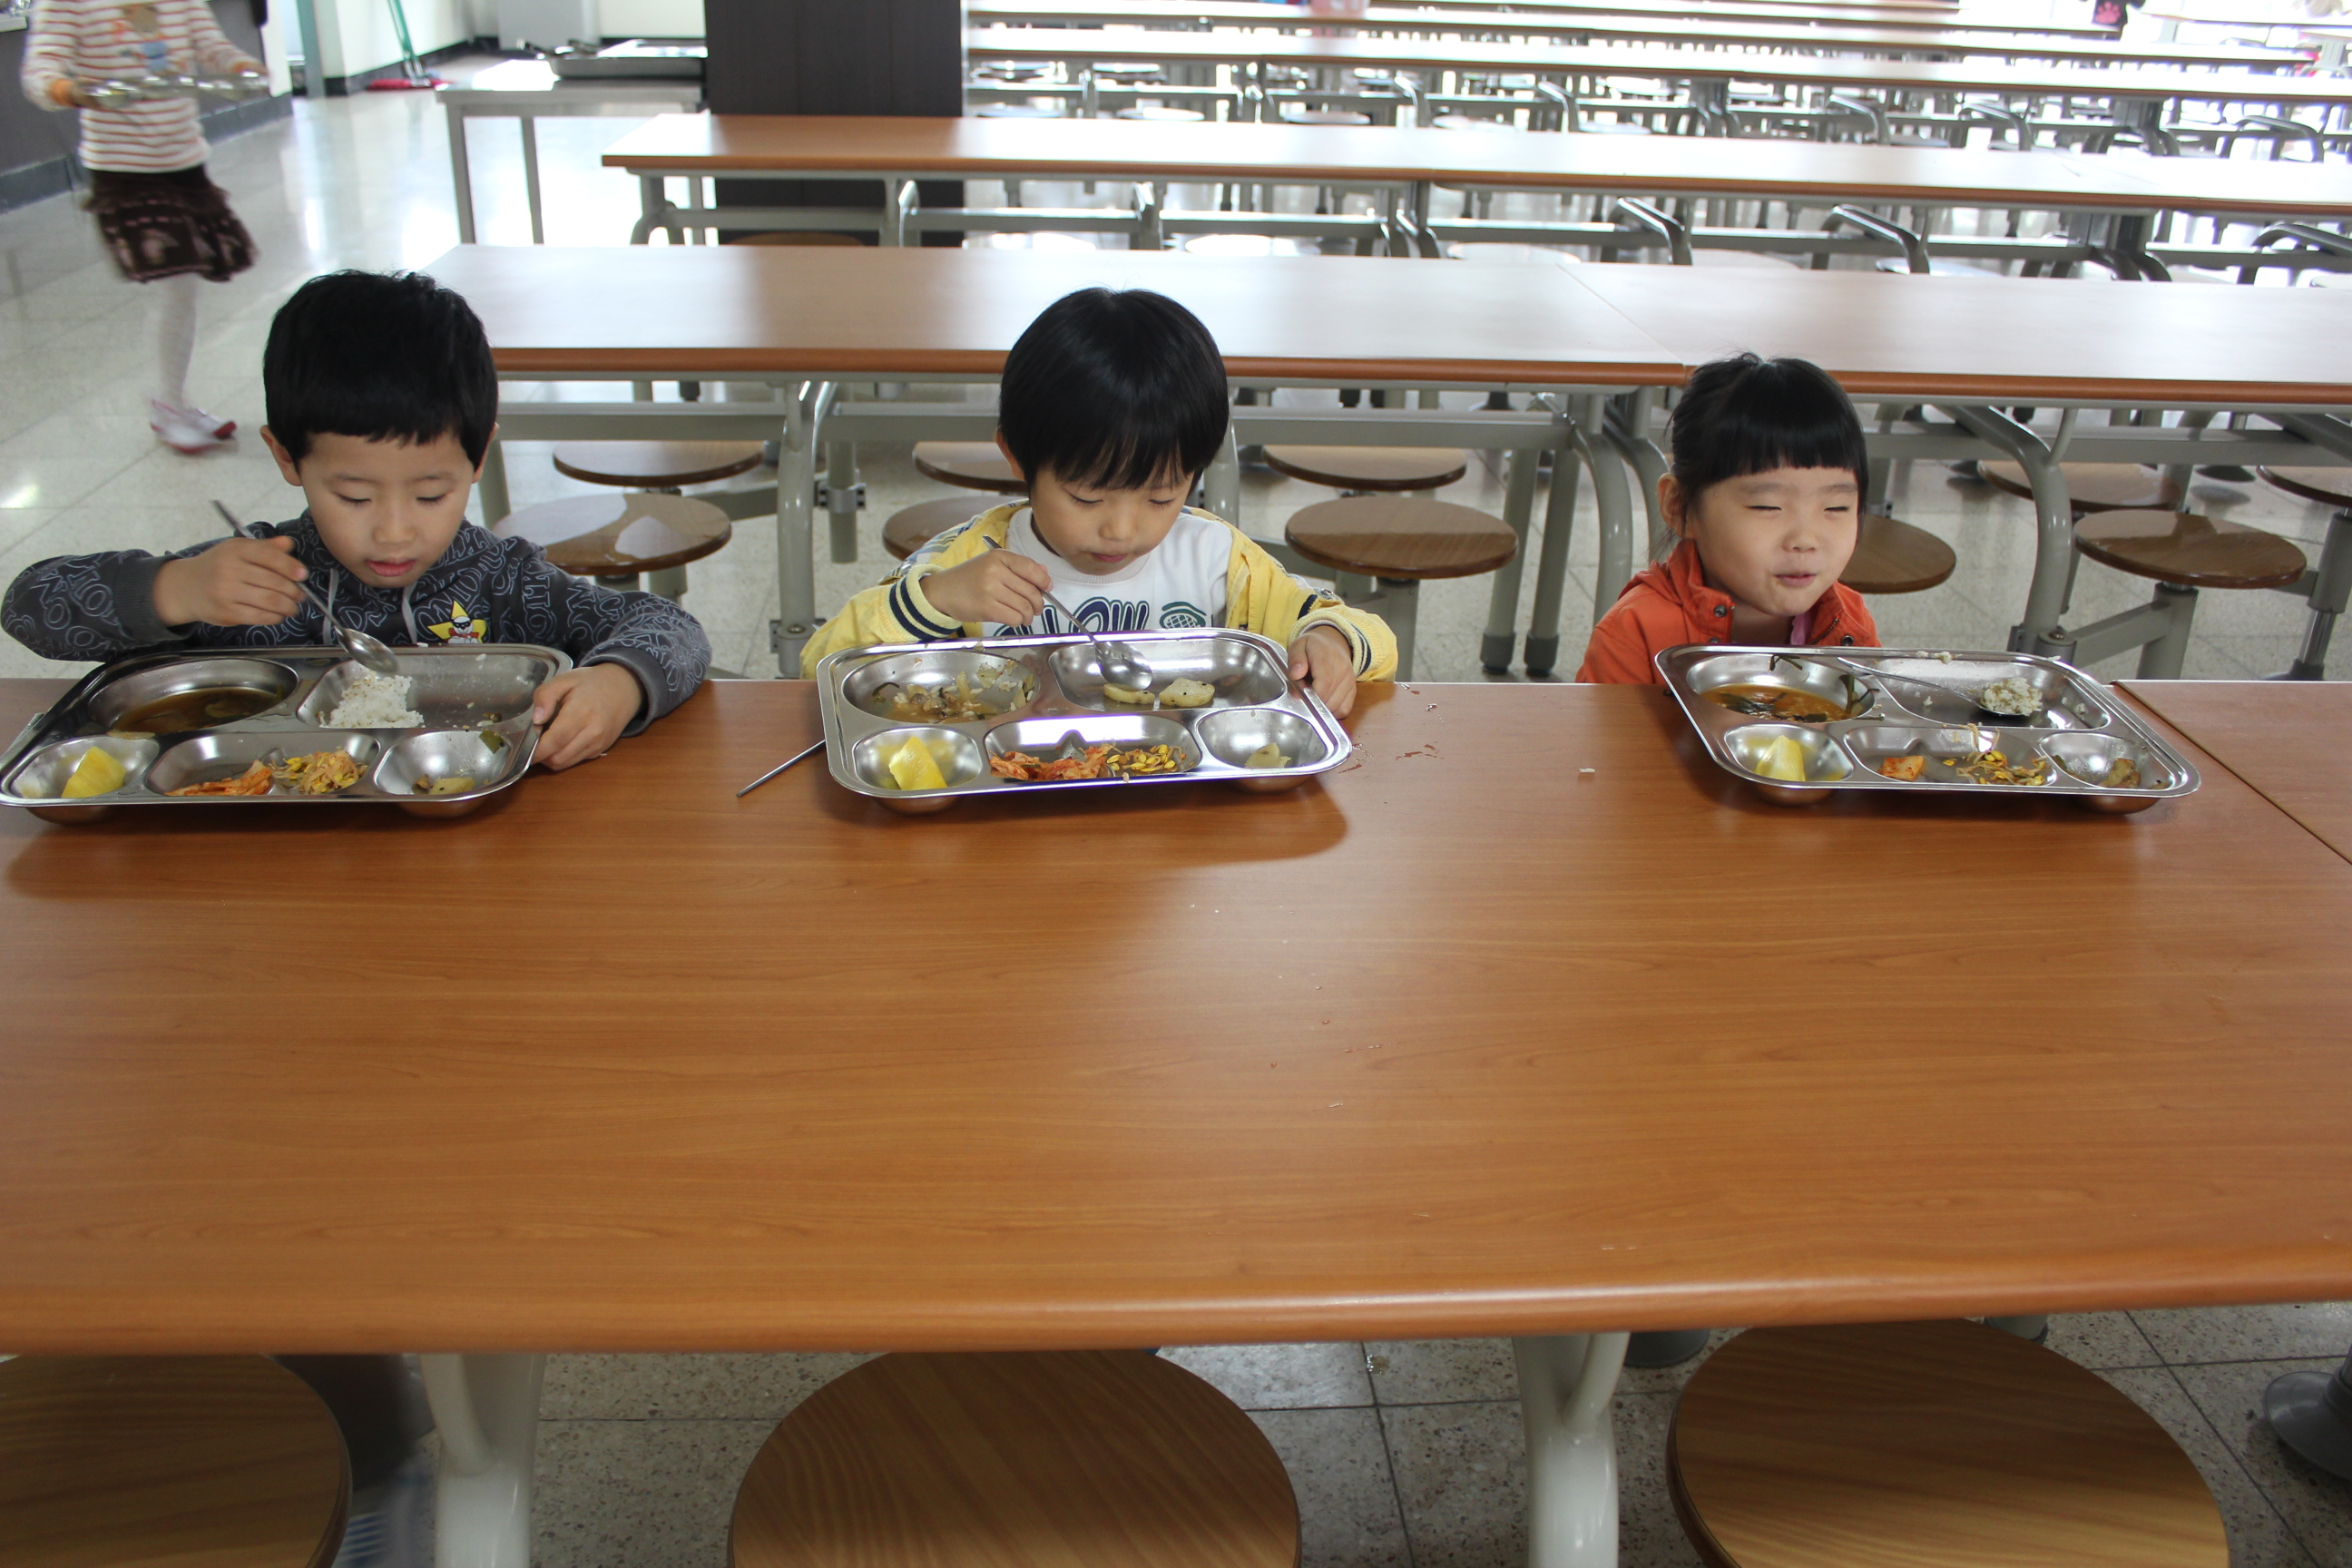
(834, 57)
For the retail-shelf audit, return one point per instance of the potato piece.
(1182, 693)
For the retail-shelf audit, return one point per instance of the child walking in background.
(1765, 500)
(163, 220)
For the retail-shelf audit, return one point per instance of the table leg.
(2312, 1413)
(1518, 510)
(461, 173)
(795, 541)
(1567, 1386)
(2053, 550)
(493, 484)
(487, 1410)
(1552, 571)
(530, 177)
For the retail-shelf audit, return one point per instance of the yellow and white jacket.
(1207, 573)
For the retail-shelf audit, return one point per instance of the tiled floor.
(1402, 1454)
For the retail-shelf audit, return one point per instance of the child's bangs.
(1121, 454)
(1749, 415)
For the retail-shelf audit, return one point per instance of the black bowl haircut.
(1749, 415)
(382, 356)
(1114, 390)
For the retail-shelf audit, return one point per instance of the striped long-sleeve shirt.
(89, 40)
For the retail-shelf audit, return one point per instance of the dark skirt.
(160, 226)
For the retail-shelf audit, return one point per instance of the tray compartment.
(1231, 734)
(1005, 684)
(439, 754)
(2090, 760)
(1070, 734)
(1762, 669)
(225, 754)
(112, 703)
(1826, 761)
(1241, 671)
(43, 772)
(960, 760)
(2066, 704)
(452, 690)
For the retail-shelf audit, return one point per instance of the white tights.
(175, 340)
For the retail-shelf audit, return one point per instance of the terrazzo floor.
(1402, 1454)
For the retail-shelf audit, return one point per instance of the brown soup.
(198, 710)
(1804, 706)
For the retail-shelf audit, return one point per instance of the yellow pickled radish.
(912, 766)
(1782, 759)
(97, 774)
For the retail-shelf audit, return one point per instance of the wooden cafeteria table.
(2283, 739)
(1412, 164)
(1440, 1046)
(1708, 70)
(1688, 28)
(816, 316)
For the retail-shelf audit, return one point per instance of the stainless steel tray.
(465, 695)
(1052, 696)
(2082, 732)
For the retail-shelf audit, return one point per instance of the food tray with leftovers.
(921, 726)
(284, 726)
(1913, 721)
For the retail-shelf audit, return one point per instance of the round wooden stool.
(655, 465)
(614, 538)
(2091, 487)
(912, 527)
(969, 465)
(2183, 551)
(2328, 487)
(1398, 542)
(1361, 470)
(1160, 114)
(1891, 557)
(1292, 114)
(793, 236)
(166, 1460)
(1108, 1458)
(1893, 1445)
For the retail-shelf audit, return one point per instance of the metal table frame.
(635, 98)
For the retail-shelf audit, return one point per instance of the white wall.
(357, 36)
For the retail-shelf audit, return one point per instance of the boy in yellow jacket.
(1112, 404)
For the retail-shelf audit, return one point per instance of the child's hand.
(1320, 656)
(65, 94)
(999, 586)
(583, 711)
(236, 583)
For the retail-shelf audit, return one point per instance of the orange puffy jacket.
(1670, 604)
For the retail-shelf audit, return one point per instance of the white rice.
(2012, 694)
(373, 701)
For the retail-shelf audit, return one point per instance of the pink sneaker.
(187, 429)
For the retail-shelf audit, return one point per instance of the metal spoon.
(366, 649)
(1117, 661)
(780, 767)
(1929, 699)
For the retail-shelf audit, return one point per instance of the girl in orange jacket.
(1765, 500)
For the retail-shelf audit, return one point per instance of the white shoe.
(387, 1528)
(187, 429)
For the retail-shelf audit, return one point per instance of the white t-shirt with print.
(1178, 587)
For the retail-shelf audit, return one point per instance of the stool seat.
(1469, 122)
(167, 1462)
(2091, 487)
(1109, 1458)
(1954, 1444)
(1016, 111)
(912, 527)
(1401, 538)
(1294, 115)
(2328, 487)
(655, 465)
(1892, 557)
(2189, 549)
(972, 464)
(1371, 467)
(1163, 114)
(619, 535)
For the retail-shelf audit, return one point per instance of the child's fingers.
(552, 696)
(1033, 573)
